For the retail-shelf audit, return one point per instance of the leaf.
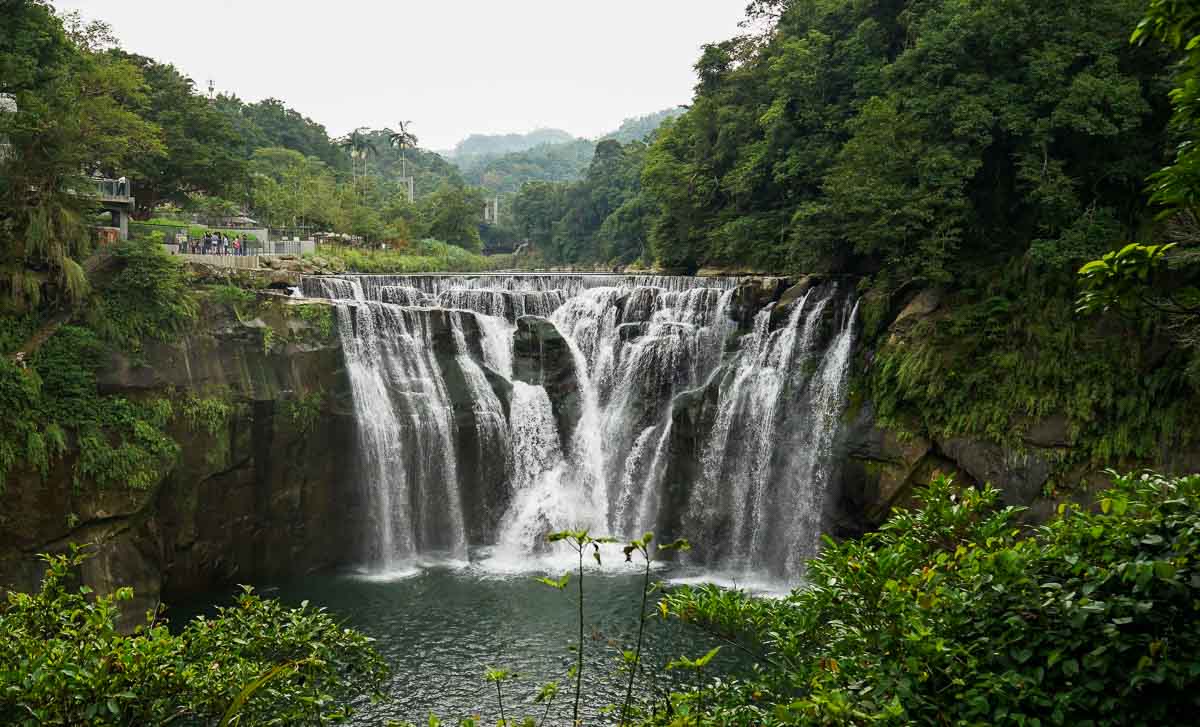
(239, 701)
(1164, 570)
(559, 584)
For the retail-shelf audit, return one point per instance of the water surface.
(441, 627)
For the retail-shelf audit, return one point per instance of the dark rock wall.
(266, 496)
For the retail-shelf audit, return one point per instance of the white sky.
(453, 67)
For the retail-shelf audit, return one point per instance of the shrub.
(425, 256)
(63, 662)
(952, 615)
(148, 298)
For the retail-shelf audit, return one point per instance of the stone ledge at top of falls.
(512, 295)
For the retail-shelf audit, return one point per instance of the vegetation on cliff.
(51, 396)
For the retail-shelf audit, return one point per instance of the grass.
(425, 256)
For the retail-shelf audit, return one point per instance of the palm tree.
(360, 147)
(403, 140)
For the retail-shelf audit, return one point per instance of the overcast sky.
(453, 67)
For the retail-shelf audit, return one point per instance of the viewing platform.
(116, 197)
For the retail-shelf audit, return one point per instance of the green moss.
(231, 295)
(304, 411)
(206, 413)
(317, 315)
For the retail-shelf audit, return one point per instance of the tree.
(201, 144)
(453, 215)
(359, 146)
(1164, 278)
(403, 140)
(73, 116)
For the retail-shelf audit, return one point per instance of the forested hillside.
(981, 151)
(503, 174)
(86, 106)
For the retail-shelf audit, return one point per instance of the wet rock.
(1020, 476)
(542, 357)
(925, 302)
(797, 291)
(751, 296)
(877, 474)
(1052, 432)
(263, 497)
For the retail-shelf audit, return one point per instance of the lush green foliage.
(73, 115)
(147, 299)
(1013, 353)
(63, 662)
(200, 142)
(425, 256)
(597, 219)
(54, 401)
(1144, 278)
(954, 614)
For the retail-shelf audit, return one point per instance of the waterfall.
(540, 495)
(405, 430)
(428, 355)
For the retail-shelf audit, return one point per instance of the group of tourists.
(218, 243)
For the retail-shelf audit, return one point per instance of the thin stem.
(500, 699)
(546, 713)
(579, 663)
(637, 654)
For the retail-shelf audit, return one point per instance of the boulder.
(1053, 431)
(1020, 476)
(878, 470)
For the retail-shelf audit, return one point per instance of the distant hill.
(639, 127)
(504, 174)
(545, 155)
(477, 145)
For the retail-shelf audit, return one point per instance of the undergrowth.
(425, 256)
(996, 359)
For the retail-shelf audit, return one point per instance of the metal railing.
(112, 188)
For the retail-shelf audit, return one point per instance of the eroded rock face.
(541, 356)
(263, 494)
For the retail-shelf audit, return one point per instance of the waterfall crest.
(431, 361)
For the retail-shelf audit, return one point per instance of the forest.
(1005, 191)
(981, 151)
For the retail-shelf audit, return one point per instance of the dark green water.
(442, 627)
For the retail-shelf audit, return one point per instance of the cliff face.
(261, 488)
(1036, 461)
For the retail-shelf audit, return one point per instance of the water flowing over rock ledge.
(651, 402)
(500, 407)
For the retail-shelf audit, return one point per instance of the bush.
(425, 256)
(63, 662)
(149, 298)
(951, 615)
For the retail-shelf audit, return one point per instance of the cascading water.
(637, 347)
(405, 430)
